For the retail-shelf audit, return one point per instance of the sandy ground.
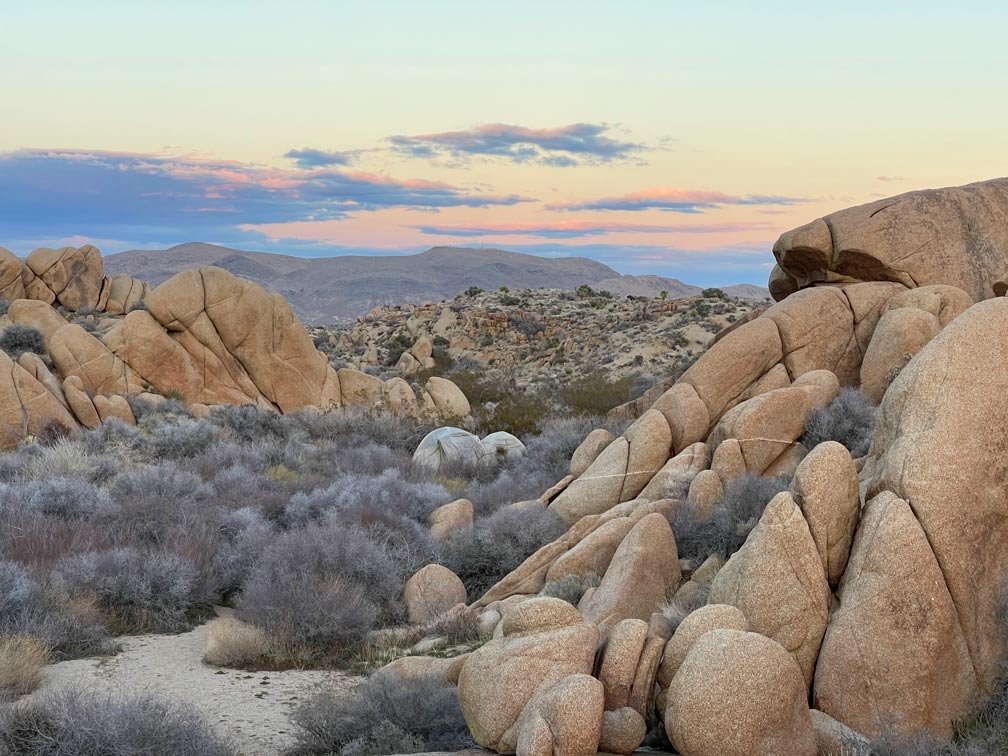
(251, 709)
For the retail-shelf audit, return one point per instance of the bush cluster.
(849, 419)
(308, 524)
(387, 714)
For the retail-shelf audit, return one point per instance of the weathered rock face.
(432, 592)
(504, 677)
(738, 693)
(777, 581)
(894, 658)
(206, 335)
(938, 446)
(956, 236)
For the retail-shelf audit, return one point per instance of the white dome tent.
(447, 445)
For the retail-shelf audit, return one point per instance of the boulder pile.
(865, 600)
(204, 336)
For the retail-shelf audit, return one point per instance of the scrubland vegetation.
(307, 524)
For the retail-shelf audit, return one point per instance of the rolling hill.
(331, 289)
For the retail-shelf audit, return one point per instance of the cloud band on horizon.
(675, 200)
(563, 146)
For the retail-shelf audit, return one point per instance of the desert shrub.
(147, 409)
(26, 609)
(22, 659)
(723, 532)
(151, 501)
(596, 393)
(457, 627)
(181, 438)
(18, 338)
(387, 491)
(4, 305)
(396, 346)
(68, 498)
(138, 592)
(320, 589)
(848, 419)
(384, 715)
(250, 424)
(497, 544)
(571, 587)
(82, 722)
(52, 433)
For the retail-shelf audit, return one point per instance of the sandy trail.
(251, 709)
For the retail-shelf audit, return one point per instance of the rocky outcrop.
(956, 236)
(911, 640)
(205, 336)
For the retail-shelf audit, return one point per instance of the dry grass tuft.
(22, 660)
(236, 644)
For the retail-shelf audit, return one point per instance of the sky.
(668, 138)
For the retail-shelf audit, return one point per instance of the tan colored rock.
(423, 349)
(821, 386)
(599, 488)
(447, 670)
(407, 364)
(777, 580)
(399, 397)
(74, 275)
(180, 365)
(775, 378)
(589, 449)
(954, 236)
(502, 677)
(816, 329)
(360, 389)
(787, 463)
(11, 280)
(38, 370)
(739, 694)
(765, 426)
(643, 570)
(619, 660)
(451, 518)
(643, 689)
(431, 592)
(835, 738)
(900, 334)
(727, 460)
(894, 658)
(944, 302)
(686, 414)
(650, 441)
(781, 284)
(938, 446)
(825, 488)
(705, 491)
(537, 615)
(242, 325)
(26, 406)
(591, 555)
(728, 368)
(676, 476)
(623, 730)
(114, 407)
(37, 315)
(80, 403)
(448, 398)
(123, 292)
(867, 301)
(690, 630)
(566, 720)
(75, 352)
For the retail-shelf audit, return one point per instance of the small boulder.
(566, 720)
(691, 629)
(623, 730)
(451, 518)
(432, 592)
(589, 449)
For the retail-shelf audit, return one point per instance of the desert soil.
(252, 709)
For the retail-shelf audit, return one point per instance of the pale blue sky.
(805, 101)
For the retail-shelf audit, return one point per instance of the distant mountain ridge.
(329, 289)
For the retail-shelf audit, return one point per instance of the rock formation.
(871, 588)
(205, 336)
